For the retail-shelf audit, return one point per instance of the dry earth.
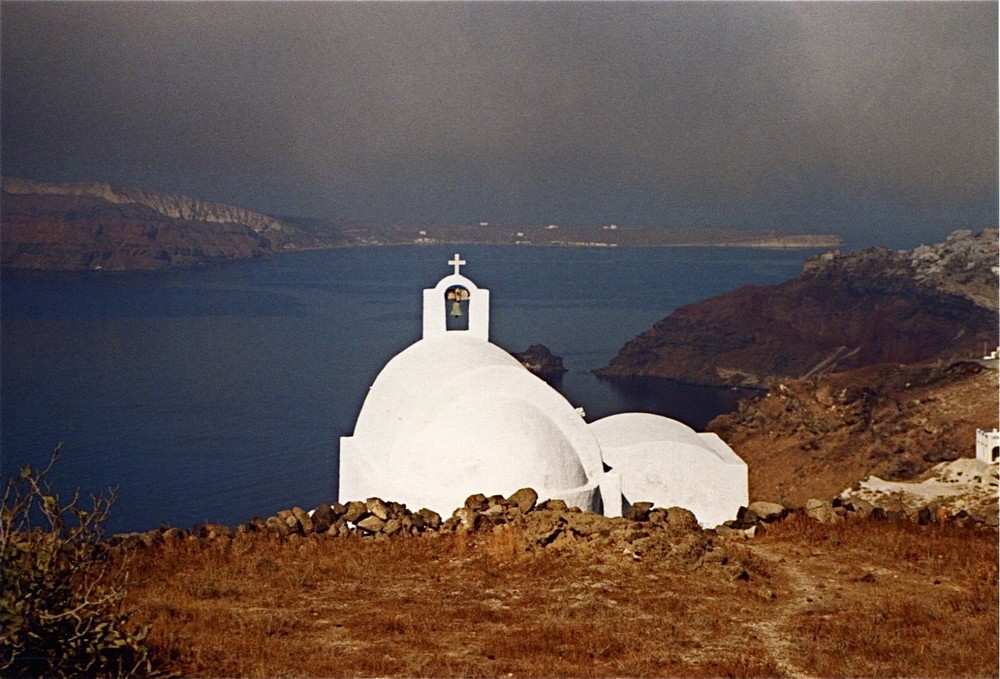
(859, 598)
(816, 437)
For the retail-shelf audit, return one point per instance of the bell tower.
(456, 296)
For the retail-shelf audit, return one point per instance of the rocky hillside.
(844, 311)
(99, 226)
(815, 437)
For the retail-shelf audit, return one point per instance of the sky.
(874, 121)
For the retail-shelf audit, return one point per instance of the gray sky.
(877, 121)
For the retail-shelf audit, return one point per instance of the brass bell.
(456, 296)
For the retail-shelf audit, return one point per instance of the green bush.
(62, 601)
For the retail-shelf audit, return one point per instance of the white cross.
(457, 262)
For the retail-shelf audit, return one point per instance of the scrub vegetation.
(62, 610)
(858, 598)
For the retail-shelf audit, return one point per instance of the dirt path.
(800, 586)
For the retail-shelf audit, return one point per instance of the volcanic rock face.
(842, 312)
(99, 226)
(540, 360)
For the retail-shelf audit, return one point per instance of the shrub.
(61, 596)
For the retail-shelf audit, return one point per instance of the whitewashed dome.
(453, 415)
(665, 462)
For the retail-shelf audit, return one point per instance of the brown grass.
(892, 599)
(484, 605)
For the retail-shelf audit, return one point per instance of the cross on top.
(457, 262)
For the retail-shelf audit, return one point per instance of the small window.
(996, 453)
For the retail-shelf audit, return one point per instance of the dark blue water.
(219, 394)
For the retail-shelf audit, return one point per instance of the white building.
(987, 445)
(453, 415)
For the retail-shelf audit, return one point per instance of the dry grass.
(483, 605)
(898, 599)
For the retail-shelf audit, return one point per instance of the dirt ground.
(815, 437)
(859, 599)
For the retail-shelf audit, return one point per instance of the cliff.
(100, 226)
(844, 311)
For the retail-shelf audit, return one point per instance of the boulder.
(322, 518)
(468, 518)
(554, 505)
(682, 520)
(371, 524)
(431, 519)
(376, 507)
(821, 510)
(768, 511)
(477, 502)
(639, 511)
(355, 510)
(303, 518)
(277, 525)
(523, 499)
(746, 517)
(858, 508)
(392, 526)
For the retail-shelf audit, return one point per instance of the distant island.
(95, 225)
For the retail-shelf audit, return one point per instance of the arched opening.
(456, 300)
(995, 454)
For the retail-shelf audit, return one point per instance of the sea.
(219, 393)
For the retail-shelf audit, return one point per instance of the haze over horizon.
(874, 121)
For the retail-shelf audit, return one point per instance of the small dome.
(628, 429)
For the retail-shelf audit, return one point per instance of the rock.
(477, 502)
(768, 511)
(305, 521)
(658, 515)
(523, 499)
(431, 519)
(746, 517)
(858, 508)
(392, 526)
(355, 510)
(553, 505)
(371, 524)
(821, 511)
(376, 507)
(468, 518)
(322, 518)
(586, 524)
(632, 536)
(639, 511)
(172, 535)
(544, 535)
(277, 525)
(541, 362)
(682, 520)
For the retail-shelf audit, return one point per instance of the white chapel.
(453, 415)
